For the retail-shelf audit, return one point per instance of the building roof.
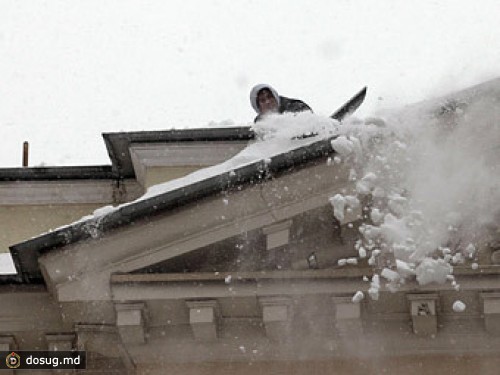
(25, 254)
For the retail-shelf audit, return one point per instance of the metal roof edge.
(92, 172)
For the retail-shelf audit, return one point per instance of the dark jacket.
(288, 105)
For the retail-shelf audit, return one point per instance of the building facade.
(235, 272)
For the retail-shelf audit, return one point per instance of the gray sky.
(70, 70)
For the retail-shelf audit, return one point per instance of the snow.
(6, 264)
(390, 274)
(459, 306)
(352, 261)
(373, 291)
(433, 271)
(376, 215)
(358, 297)
(338, 203)
(342, 146)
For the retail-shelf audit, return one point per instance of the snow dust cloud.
(431, 178)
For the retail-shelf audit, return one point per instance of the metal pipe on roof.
(25, 153)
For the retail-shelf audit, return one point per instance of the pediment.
(313, 233)
(219, 233)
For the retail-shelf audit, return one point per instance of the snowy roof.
(265, 160)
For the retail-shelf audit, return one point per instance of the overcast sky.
(70, 70)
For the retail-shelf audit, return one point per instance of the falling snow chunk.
(394, 229)
(227, 279)
(390, 274)
(457, 258)
(459, 306)
(404, 269)
(352, 261)
(342, 262)
(352, 201)
(225, 201)
(358, 297)
(474, 266)
(243, 349)
(433, 270)
(362, 252)
(470, 251)
(338, 203)
(337, 160)
(362, 188)
(376, 215)
(378, 192)
(374, 288)
(370, 178)
(342, 145)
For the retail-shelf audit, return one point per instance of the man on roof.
(265, 100)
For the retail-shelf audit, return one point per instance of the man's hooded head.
(261, 98)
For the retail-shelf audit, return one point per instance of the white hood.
(255, 90)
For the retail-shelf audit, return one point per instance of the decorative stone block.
(423, 313)
(60, 341)
(130, 321)
(347, 316)
(7, 343)
(276, 316)
(204, 318)
(278, 234)
(491, 309)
